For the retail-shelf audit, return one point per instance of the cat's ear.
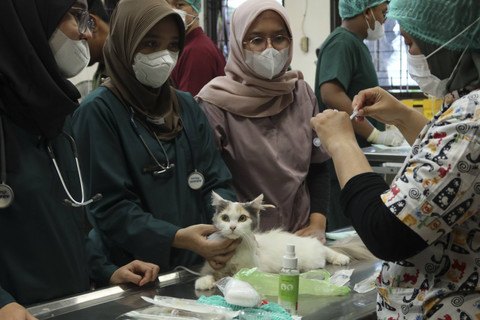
(218, 202)
(258, 204)
(216, 199)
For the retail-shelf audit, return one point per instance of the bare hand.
(194, 238)
(333, 128)
(14, 311)
(316, 228)
(380, 105)
(137, 272)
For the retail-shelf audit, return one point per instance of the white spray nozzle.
(290, 259)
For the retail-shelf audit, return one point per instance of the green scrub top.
(343, 56)
(42, 241)
(140, 213)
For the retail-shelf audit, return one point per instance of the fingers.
(137, 272)
(148, 270)
(215, 264)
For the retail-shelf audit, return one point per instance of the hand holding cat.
(316, 228)
(194, 238)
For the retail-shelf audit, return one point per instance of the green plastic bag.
(314, 282)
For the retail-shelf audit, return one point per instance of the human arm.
(383, 234)
(14, 311)
(381, 105)
(140, 213)
(194, 238)
(319, 188)
(334, 96)
(336, 133)
(434, 190)
(103, 272)
(218, 179)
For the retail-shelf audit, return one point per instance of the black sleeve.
(384, 235)
(319, 187)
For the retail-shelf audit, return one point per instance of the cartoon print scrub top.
(436, 194)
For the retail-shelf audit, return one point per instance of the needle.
(354, 114)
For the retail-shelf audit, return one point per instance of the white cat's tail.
(353, 247)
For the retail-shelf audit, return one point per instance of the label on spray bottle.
(288, 292)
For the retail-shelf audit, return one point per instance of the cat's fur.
(263, 250)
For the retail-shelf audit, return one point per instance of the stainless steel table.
(109, 303)
(386, 160)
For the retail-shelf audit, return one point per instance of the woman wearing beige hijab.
(260, 114)
(148, 148)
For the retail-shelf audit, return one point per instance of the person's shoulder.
(202, 42)
(187, 102)
(97, 101)
(341, 37)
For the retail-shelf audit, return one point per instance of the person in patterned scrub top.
(426, 224)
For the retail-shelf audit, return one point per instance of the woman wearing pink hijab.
(260, 113)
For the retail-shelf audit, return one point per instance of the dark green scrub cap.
(438, 21)
(351, 8)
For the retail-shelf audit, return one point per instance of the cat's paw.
(340, 259)
(205, 283)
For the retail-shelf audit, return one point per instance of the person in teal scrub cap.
(426, 224)
(201, 59)
(345, 67)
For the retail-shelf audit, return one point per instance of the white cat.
(263, 250)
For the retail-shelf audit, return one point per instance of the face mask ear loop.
(458, 35)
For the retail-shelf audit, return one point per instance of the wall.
(316, 27)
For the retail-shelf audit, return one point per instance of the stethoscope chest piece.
(196, 180)
(6, 195)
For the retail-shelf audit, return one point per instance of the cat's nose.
(233, 228)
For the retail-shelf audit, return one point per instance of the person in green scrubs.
(345, 67)
(44, 251)
(148, 148)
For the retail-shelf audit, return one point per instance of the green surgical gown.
(139, 214)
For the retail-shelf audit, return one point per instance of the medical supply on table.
(288, 281)
(316, 140)
(313, 282)
(176, 308)
(238, 292)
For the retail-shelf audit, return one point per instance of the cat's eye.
(225, 218)
(242, 218)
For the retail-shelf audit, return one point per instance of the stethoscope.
(195, 179)
(6, 192)
(71, 201)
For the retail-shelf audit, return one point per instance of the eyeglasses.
(279, 42)
(83, 19)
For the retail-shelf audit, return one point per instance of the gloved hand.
(391, 138)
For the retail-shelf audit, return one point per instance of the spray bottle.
(288, 281)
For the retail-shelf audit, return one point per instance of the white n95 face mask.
(184, 15)
(378, 32)
(420, 72)
(153, 69)
(72, 56)
(267, 63)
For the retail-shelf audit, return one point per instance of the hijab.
(33, 93)
(130, 22)
(241, 91)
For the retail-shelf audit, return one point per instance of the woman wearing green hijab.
(426, 225)
(148, 148)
